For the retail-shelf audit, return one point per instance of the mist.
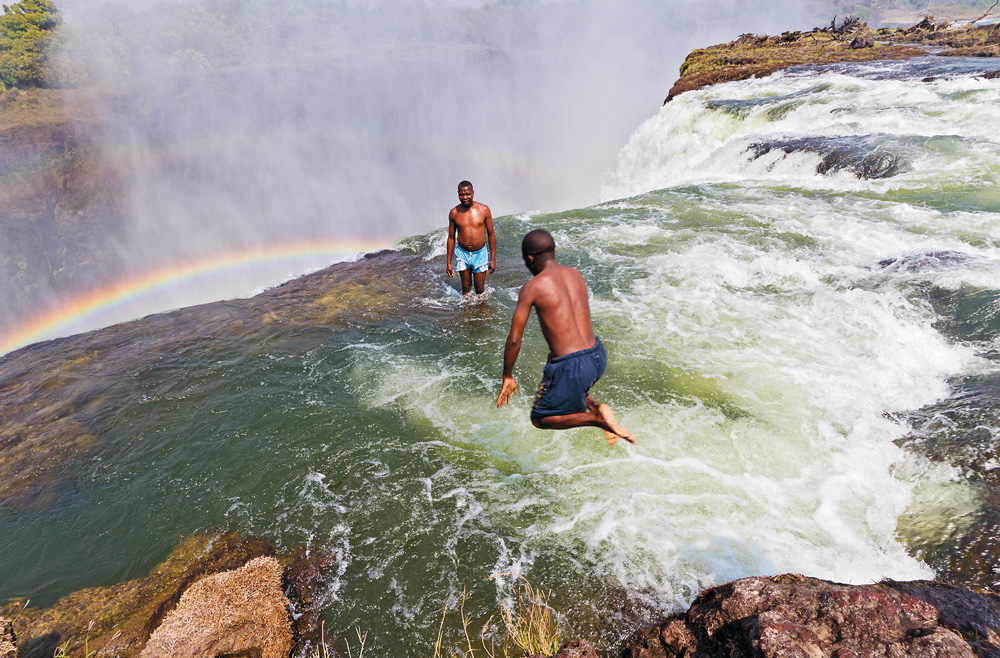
(221, 126)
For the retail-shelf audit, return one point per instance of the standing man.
(577, 358)
(470, 224)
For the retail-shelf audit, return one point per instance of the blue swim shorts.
(566, 380)
(479, 261)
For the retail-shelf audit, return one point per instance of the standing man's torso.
(470, 226)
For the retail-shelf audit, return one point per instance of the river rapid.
(794, 277)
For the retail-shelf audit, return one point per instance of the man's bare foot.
(611, 437)
(604, 411)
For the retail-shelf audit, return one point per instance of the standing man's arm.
(451, 243)
(492, 240)
(513, 346)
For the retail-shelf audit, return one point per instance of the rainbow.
(84, 309)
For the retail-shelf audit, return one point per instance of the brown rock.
(117, 620)
(240, 612)
(8, 649)
(751, 55)
(307, 579)
(792, 616)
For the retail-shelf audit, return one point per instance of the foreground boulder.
(119, 620)
(239, 612)
(795, 616)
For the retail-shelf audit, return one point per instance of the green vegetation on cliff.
(27, 35)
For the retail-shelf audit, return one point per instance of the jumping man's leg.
(601, 417)
(604, 411)
(610, 437)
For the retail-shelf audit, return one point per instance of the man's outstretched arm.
(513, 346)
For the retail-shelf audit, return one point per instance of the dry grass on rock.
(751, 55)
(239, 612)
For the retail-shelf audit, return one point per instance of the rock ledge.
(794, 616)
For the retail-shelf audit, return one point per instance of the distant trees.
(27, 33)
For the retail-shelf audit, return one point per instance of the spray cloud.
(226, 125)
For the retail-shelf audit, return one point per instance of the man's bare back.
(577, 358)
(559, 295)
(470, 229)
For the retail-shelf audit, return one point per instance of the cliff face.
(751, 55)
(58, 201)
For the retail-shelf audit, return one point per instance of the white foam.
(688, 142)
(760, 347)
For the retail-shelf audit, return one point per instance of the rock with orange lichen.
(239, 612)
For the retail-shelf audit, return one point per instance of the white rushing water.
(941, 123)
(766, 325)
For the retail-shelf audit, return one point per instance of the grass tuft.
(323, 651)
(531, 623)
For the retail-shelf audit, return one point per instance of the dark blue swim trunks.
(566, 380)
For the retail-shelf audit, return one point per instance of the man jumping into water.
(577, 357)
(470, 223)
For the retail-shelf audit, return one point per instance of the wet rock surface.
(960, 540)
(962, 431)
(792, 615)
(308, 575)
(865, 156)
